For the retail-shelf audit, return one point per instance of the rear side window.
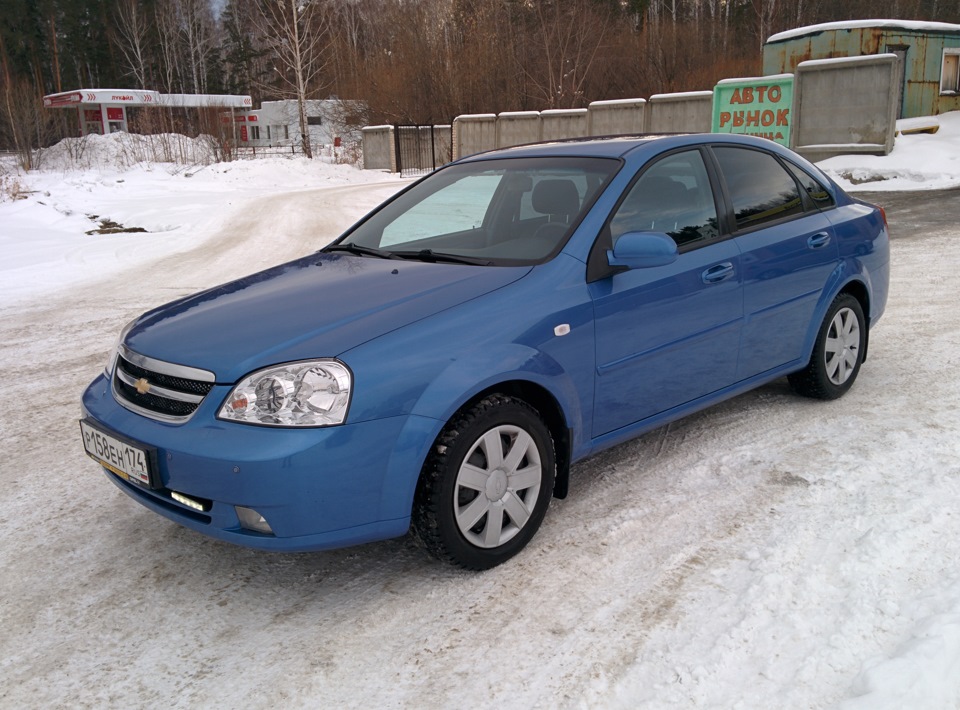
(760, 189)
(818, 193)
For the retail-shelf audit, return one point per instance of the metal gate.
(421, 149)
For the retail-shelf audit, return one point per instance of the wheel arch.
(843, 280)
(858, 289)
(547, 406)
(519, 371)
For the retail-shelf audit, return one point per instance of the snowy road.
(770, 552)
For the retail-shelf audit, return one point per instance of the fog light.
(252, 520)
(202, 505)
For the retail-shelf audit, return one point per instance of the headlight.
(311, 393)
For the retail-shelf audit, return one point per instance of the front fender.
(476, 372)
(460, 382)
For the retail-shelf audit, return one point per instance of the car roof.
(596, 147)
(619, 146)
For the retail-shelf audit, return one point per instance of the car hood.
(318, 306)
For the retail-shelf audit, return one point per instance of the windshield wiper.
(435, 256)
(361, 251)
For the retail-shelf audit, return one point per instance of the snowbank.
(918, 162)
(47, 241)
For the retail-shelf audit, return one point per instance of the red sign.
(114, 114)
(62, 99)
(91, 115)
(243, 133)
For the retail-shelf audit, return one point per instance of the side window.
(818, 193)
(761, 190)
(672, 196)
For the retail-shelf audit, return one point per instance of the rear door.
(788, 251)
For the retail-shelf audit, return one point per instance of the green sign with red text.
(755, 107)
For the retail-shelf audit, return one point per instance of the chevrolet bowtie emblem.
(142, 385)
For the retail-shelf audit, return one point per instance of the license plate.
(131, 463)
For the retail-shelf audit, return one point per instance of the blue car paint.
(423, 339)
(339, 302)
(314, 484)
(647, 358)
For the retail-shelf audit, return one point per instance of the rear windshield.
(508, 211)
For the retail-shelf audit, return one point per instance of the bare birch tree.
(13, 126)
(168, 34)
(570, 33)
(197, 34)
(132, 30)
(295, 32)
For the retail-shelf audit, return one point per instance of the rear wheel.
(837, 353)
(486, 484)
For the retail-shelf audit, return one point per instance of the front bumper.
(318, 488)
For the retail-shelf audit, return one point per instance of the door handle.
(718, 273)
(818, 240)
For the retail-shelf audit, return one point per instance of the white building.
(276, 123)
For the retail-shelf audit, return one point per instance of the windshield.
(508, 211)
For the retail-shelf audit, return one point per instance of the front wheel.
(837, 353)
(486, 484)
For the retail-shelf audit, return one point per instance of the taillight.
(883, 213)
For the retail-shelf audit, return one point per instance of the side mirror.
(641, 250)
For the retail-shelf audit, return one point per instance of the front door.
(667, 335)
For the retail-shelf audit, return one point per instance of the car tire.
(486, 484)
(837, 353)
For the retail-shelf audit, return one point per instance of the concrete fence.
(379, 148)
(846, 105)
(517, 128)
(557, 124)
(611, 118)
(474, 133)
(840, 106)
(688, 112)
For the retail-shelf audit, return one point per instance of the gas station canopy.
(104, 110)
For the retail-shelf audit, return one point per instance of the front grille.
(178, 383)
(160, 405)
(157, 389)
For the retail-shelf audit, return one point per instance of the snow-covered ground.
(922, 161)
(772, 552)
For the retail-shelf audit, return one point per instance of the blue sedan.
(441, 365)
